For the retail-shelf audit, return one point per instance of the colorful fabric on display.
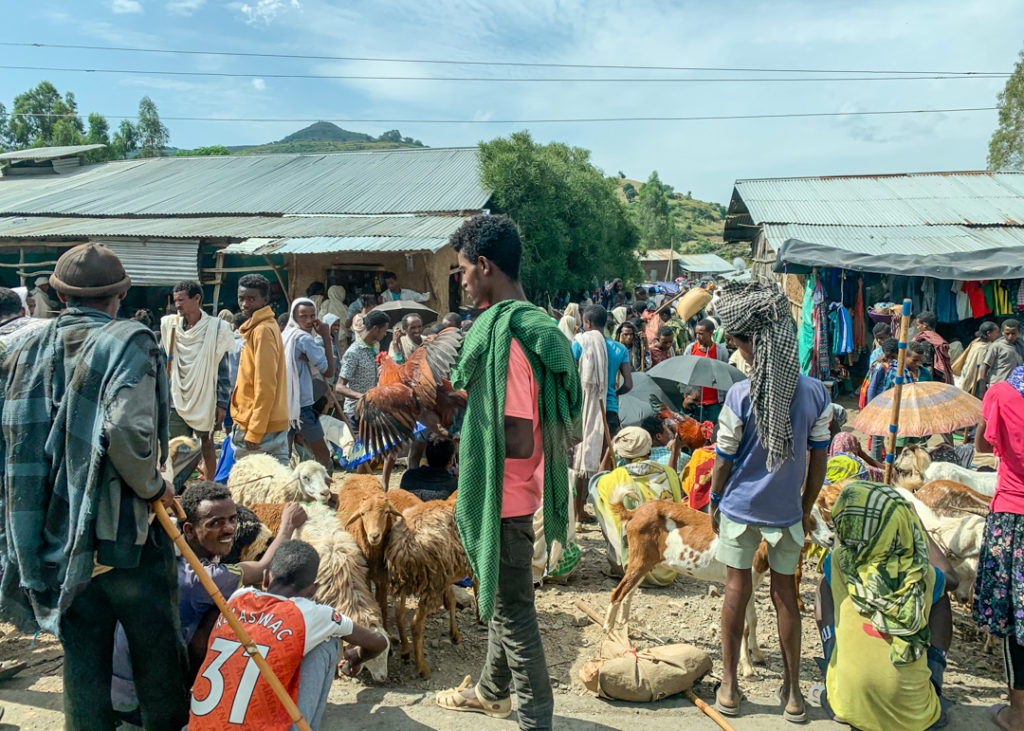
(696, 477)
(883, 558)
(979, 307)
(1020, 295)
(945, 303)
(821, 343)
(806, 340)
(841, 325)
(1003, 304)
(860, 330)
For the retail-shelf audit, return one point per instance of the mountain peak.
(326, 132)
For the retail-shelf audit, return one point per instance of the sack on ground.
(646, 675)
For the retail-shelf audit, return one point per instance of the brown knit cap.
(89, 270)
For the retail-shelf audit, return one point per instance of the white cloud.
(184, 7)
(265, 11)
(259, 84)
(126, 6)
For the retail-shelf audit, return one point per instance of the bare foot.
(469, 694)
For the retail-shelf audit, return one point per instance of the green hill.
(318, 137)
(326, 132)
(699, 223)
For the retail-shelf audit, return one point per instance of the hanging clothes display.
(945, 303)
(821, 341)
(979, 307)
(928, 302)
(860, 332)
(805, 342)
(841, 326)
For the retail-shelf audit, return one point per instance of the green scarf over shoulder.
(482, 371)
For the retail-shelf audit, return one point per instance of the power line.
(523, 64)
(705, 118)
(491, 79)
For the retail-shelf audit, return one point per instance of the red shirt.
(707, 395)
(524, 478)
(229, 691)
(1003, 409)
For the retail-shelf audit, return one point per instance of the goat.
(342, 576)
(367, 515)
(664, 533)
(952, 499)
(425, 557)
(981, 482)
(259, 478)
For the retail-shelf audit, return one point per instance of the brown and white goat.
(667, 534)
(953, 499)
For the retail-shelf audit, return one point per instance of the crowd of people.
(89, 402)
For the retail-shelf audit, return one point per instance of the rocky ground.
(682, 612)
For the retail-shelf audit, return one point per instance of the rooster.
(416, 391)
(692, 433)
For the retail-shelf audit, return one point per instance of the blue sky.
(702, 157)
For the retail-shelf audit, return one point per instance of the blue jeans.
(315, 677)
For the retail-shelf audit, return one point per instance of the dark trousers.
(145, 601)
(614, 424)
(514, 649)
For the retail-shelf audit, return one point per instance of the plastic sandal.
(453, 700)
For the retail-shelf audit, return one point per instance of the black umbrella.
(400, 308)
(636, 404)
(693, 370)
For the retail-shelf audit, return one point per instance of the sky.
(703, 157)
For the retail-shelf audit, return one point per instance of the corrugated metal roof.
(704, 263)
(157, 263)
(912, 240)
(336, 244)
(29, 227)
(48, 153)
(659, 255)
(379, 181)
(972, 198)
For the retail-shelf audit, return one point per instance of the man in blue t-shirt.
(595, 318)
(768, 426)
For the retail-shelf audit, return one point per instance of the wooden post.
(677, 448)
(21, 264)
(897, 398)
(216, 287)
(608, 461)
(236, 627)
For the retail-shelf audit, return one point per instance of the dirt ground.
(682, 612)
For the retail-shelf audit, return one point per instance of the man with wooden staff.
(197, 346)
(85, 415)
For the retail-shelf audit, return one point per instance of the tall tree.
(1006, 148)
(574, 226)
(4, 141)
(41, 114)
(99, 134)
(153, 135)
(125, 140)
(654, 215)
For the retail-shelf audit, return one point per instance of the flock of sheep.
(374, 543)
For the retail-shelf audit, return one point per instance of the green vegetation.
(576, 230)
(695, 226)
(328, 137)
(41, 117)
(1006, 148)
(211, 151)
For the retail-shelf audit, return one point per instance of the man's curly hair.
(493, 237)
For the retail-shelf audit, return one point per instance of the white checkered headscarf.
(761, 312)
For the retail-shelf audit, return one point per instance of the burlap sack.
(692, 302)
(646, 675)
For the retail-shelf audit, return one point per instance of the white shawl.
(195, 356)
(594, 383)
(290, 336)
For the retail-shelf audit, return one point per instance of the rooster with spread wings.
(416, 391)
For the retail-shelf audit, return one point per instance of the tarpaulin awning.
(796, 256)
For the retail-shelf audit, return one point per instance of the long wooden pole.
(609, 455)
(236, 627)
(894, 420)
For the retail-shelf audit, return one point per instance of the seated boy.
(433, 482)
(211, 519)
(878, 679)
(298, 638)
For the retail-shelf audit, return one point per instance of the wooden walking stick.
(236, 627)
(608, 461)
(897, 398)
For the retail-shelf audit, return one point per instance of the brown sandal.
(453, 700)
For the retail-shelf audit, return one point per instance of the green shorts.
(178, 428)
(737, 544)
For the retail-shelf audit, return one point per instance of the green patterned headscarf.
(482, 371)
(883, 557)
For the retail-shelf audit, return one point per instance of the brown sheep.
(425, 557)
(403, 499)
(364, 510)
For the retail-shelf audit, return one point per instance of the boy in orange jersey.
(298, 638)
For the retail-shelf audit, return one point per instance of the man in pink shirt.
(511, 467)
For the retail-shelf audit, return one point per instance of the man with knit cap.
(84, 411)
(259, 405)
(768, 425)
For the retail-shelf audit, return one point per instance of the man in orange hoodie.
(259, 404)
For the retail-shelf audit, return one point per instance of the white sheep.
(983, 482)
(259, 478)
